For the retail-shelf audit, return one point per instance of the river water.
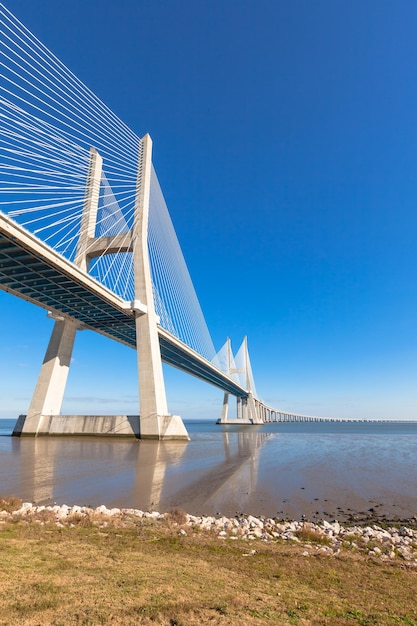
(345, 471)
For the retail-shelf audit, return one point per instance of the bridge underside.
(34, 279)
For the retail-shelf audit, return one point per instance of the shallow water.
(319, 470)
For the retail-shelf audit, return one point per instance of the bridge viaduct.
(65, 159)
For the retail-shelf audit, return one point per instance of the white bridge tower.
(154, 422)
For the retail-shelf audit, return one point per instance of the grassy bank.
(150, 572)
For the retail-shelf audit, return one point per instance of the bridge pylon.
(246, 406)
(154, 421)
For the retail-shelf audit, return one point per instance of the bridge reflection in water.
(200, 477)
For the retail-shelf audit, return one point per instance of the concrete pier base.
(171, 427)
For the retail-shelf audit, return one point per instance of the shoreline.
(388, 542)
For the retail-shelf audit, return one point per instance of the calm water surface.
(288, 470)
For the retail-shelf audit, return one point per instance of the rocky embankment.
(328, 538)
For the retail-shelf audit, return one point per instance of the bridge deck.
(32, 270)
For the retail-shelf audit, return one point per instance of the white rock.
(115, 511)
(62, 511)
(254, 521)
(102, 509)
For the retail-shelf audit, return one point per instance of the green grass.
(144, 572)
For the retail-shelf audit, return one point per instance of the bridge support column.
(155, 422)
(225, 408)
(245, 409)
(239, 414)
(49, 391)
(253, 410)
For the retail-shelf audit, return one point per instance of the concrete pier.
(97, 425)
(171, 427)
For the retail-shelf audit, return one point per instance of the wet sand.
(358, 477)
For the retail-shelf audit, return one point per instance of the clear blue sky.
(285, 141)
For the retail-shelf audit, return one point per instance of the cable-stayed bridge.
(86, 234)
